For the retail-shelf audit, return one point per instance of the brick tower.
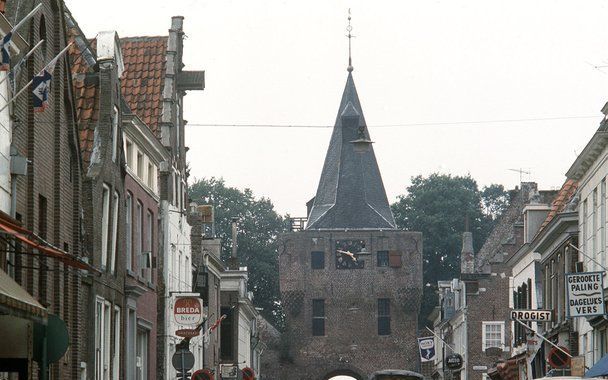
(350, 281)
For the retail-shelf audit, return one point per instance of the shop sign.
(531, 315)
(577, 366)
(426, 346)
(187, 333)
(188, 310)
(454, 361)
(585, 293)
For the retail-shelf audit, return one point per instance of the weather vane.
(349, 28)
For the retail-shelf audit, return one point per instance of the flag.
(216, 324)
(426, 346)
(5, 45)
(41, 85)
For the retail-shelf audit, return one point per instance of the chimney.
(233, 263)
(467, 256)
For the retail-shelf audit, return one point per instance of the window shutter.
(394, 259)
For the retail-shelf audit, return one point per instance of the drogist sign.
(585, 292)
(188, 310)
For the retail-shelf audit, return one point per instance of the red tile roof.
(144, 77)
(86, 97)
(560, 201)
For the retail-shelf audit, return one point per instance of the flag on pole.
(5, 45)
(41, 83)
(216, 324)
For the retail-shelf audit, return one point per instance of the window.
(179, 271)
(105, 216)
(384, 316)
(129, 153)
(493, 334)
(151, 176)
(143, 336)
(318, 317)
(115, 134)
(129, 231)
(594, 230)
(140, 165)
(116, 356)
(114, 232)
(227, 335)
(382, 259)
(103, 329)
(139, 232)
(317, 260)
(42, 217)
(149, 233)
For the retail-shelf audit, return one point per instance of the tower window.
(317, 260)
(382, 259)
(318, 317)
(384, 316)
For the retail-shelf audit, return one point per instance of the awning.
(600, 368)
(8, 227)
(14, 300)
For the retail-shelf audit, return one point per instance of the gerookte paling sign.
(585, 292)
(188, 310)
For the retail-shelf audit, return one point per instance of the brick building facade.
(350, 282)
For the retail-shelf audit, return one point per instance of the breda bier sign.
(188, 310)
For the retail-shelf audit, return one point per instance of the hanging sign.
(188, 310)
(426, 346)
(585, 292)
(454, 361)
(531, 315)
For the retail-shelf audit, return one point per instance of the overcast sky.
(427, 62)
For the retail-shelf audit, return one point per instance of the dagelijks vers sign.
(585, 292)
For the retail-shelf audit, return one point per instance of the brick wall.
(351, 340)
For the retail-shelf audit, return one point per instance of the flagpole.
(438, 337)
(25, 57)
(51, 63)
(23, 20)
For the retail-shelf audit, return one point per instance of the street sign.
(577, 366)
(57, 339)
(230, 371)
(426, 347)
(188, 333)
(532, 315)
(585, 292)
(188, 310)
(454, 361)
(558, 358)
(182, 360)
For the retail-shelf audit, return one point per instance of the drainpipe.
(234, 261)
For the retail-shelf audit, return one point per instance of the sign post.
(585, 294)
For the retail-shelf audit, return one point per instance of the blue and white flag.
(41, 85)
(426, 346)
(5, 45)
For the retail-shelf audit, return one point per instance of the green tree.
(441, 207)
(258, 228)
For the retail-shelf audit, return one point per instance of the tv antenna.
(521, 173)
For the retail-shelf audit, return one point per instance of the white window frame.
(115, 134)
(149, 236)
(113, 242)
(103, 326)
(105, 216)
(484, 326)
(129, 231)
(139, 228)
(116, 356)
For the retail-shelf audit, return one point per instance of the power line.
(437, 123)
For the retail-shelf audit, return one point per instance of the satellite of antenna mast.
(521, 173)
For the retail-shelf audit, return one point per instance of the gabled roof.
(559, 203)
(144, 77)
(85, 89)
(351, 194)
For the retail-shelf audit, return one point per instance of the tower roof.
(351, 194)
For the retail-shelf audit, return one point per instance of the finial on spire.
(349, 28)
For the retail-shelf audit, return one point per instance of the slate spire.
(351, 194)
